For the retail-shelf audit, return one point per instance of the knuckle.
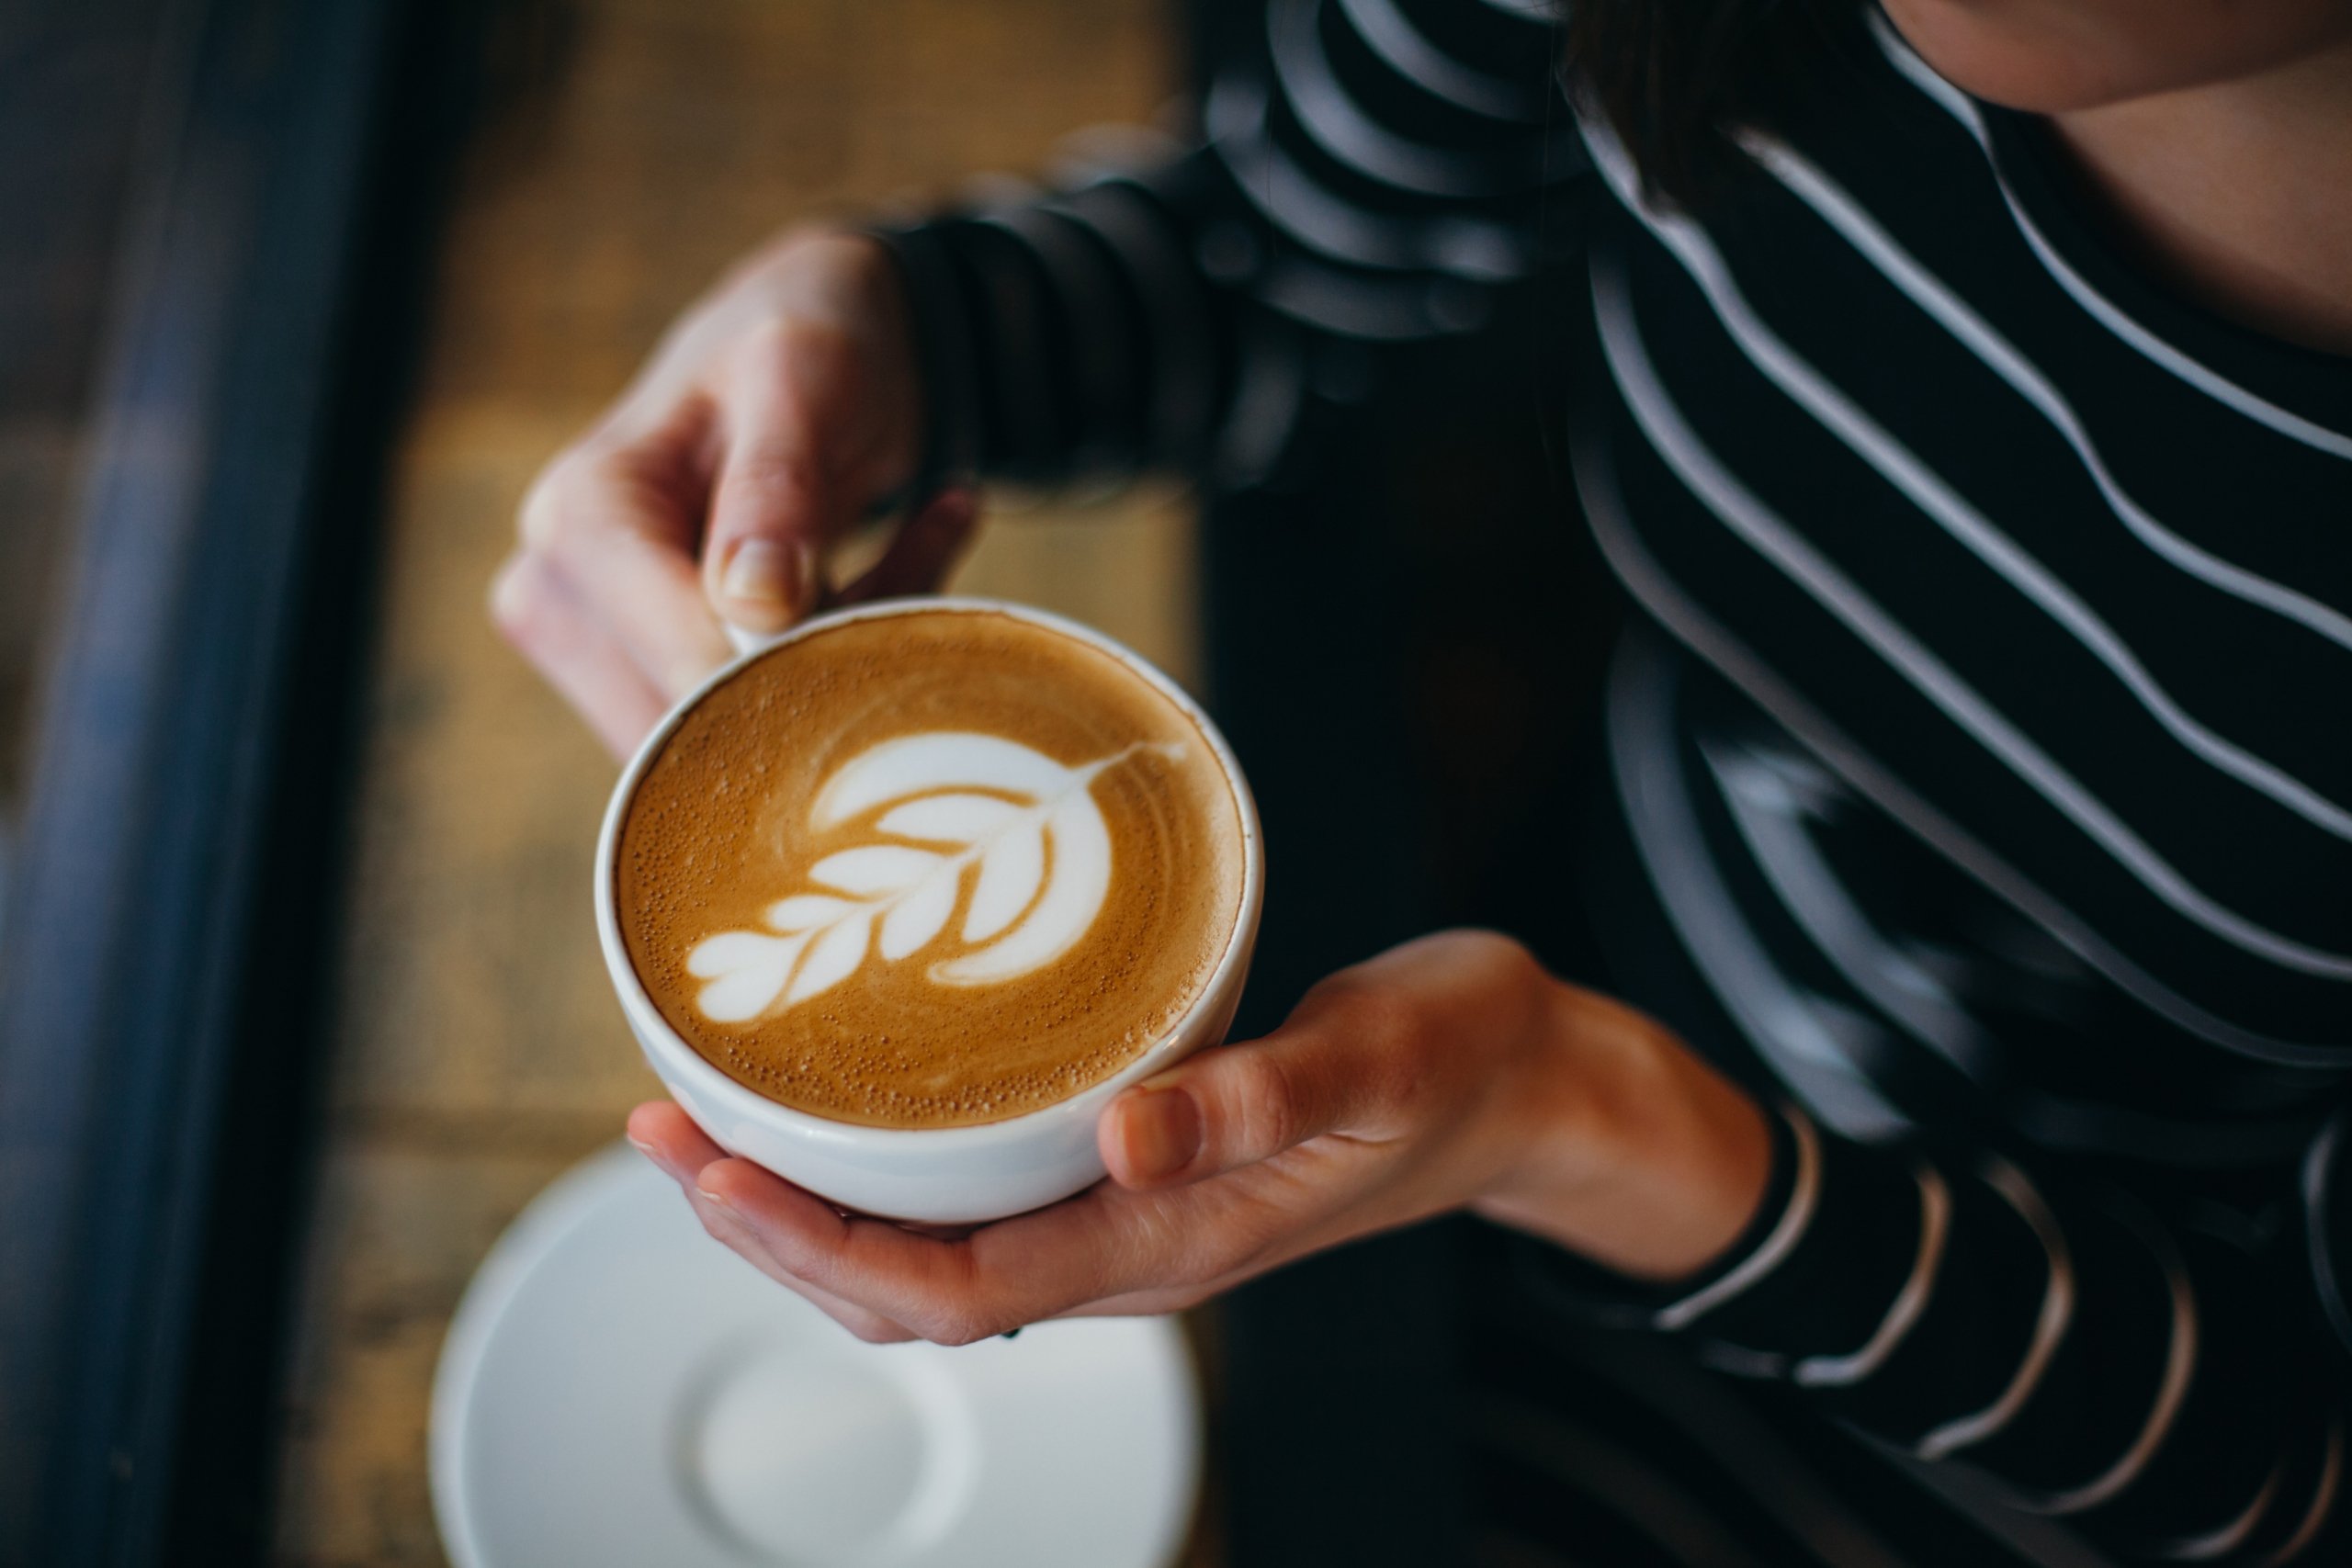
(516, 596)
(959, 1327)
(1246, 1252)
(1263, 1103)
(1354, 1003)
(791, 340)
(1507, 959)
(1243, 1243)
(549, 505)
(875, 1330)
(777, 464)
(1379, 1015)
(1180, 1257)
(564, 503)
(793, 355)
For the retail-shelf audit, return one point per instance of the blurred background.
(626, 152)
(300, 1001)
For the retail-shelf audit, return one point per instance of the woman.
(1970, 426)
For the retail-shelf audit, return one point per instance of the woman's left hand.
(1451, 1072)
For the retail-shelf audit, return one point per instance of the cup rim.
(742, 1101)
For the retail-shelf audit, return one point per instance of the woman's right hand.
(772, 416)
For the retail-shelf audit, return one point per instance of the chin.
(2056, 56)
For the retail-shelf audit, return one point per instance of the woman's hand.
(772, 414)
(1450, 1072)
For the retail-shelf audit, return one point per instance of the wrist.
(1626, 1149)
(847, 288)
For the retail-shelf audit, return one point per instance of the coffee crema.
(929, 869)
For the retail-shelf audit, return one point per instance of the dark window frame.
(171, 900)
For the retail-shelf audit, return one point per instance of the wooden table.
(478, 1050)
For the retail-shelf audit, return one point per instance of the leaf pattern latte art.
(1024, 829)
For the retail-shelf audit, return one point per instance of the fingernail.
(713, 1198)
(770, 574)
(641, 1147)
(1163, 1130)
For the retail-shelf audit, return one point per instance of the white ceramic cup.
(937, 1175)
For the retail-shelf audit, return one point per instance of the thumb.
(776, 499)
(1234, 1106)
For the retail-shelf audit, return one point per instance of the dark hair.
(1672, 77)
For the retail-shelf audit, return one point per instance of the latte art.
(950, 804)
(929, 868)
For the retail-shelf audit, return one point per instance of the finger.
(619, 526)
(726, 1227)
(915, 1279)
(664, 1133)
(537, 612)
(1240, 1104)
(668, 1137)
(778, 497)
(923, 553)
(1233, 1231)
(1004, 1275)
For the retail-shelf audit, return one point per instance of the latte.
(929, 869)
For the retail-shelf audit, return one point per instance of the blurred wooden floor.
(478, 1051)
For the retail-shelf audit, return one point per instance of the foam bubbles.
(888, 1044)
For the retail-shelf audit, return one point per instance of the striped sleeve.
(1370, 176)
(1833, 450)
(2140, 1382)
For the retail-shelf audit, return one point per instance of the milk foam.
(950, 803)
(854, 878)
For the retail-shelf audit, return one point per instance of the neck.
(2238, 192)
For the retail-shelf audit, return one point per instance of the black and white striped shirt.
(1983, 738)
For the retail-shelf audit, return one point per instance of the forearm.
(1354, 195)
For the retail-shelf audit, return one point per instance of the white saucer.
(618, 1389)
